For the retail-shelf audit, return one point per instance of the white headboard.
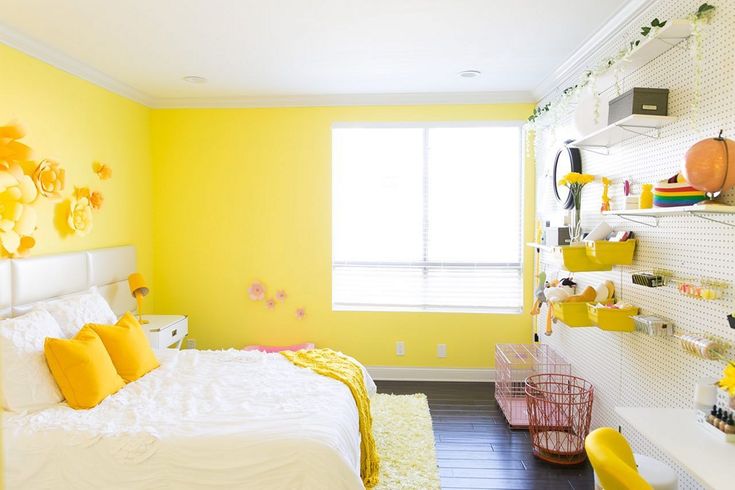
(27, 281)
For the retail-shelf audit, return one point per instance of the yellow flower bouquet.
(575, 181)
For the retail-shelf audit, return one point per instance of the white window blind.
(427, 218)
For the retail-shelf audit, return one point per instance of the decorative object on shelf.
(645, 200)
(655, 279)
(668, 194)
(704, 347)
(139, 289)
(575, 182)
(567, 160)
(709, 165)
(103, 171)
(653, 325)
(639, 100)
(707, 289)
(605, 205)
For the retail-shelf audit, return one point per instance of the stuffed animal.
(538, 293)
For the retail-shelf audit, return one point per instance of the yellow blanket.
(338, 366)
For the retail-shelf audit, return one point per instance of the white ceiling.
(288, 48)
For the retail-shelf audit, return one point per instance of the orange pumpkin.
(709, 165)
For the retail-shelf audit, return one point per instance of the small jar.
(645, 201)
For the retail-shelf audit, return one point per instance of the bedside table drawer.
(172, 334)
(165, 330)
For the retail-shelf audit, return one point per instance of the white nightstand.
(165, 330)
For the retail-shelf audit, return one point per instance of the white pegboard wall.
(632, 369)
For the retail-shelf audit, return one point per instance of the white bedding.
(204, 419)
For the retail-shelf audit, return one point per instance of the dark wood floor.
(476, 449)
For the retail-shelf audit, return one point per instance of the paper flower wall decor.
(270, 303)
(281, 296)
(12, 150)
(103, 171)
(300, 313)
(49, 178)
(17, 216)
(256, 291)
(80, 215)
(96, 199)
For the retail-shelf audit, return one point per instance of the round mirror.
(567, 160)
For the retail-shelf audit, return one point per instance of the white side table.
(165, 330)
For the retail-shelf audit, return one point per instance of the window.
(427, 218)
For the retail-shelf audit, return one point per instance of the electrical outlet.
(441, 350)
(191, 343)
(400, 348)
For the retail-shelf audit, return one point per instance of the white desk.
(677, 433)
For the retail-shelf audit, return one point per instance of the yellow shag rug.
(405, 441)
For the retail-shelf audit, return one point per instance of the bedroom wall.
(632, 369)
(245, 194)
(76, 122)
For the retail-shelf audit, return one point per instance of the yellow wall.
(75, 122)
(244, 194)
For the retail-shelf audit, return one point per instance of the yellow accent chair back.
(613, 461)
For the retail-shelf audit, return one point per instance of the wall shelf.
(629, 127)
(702, 211)
(541, 246)
(674, 32)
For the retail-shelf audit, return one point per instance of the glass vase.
(575, 221)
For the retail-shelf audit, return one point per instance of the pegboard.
(632, 369)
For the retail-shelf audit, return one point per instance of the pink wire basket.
(513, 364)
(559, 414)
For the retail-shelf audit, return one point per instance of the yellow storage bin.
(575, 259)
(572, 314)
(611, 253)
(612, 319)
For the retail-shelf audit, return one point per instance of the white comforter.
(204, 419)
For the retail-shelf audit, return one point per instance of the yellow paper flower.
(103, 171)
(12, 150)
(49, 178)
(728, 379)
(96, 199)
(80, 216)
(81, 192)
(17, 216)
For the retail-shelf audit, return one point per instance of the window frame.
(425, 264)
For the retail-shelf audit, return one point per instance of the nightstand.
(164, 330)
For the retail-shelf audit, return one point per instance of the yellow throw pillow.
(128, 347)
(82, 368)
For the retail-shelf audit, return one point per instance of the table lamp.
(138, 289)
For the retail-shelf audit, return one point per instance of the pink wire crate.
(513, 364)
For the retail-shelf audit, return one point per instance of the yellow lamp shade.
(137, 284)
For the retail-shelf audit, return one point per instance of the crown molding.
(577, 62)
(70, 65)
(326, 100)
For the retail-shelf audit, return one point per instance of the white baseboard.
(391, 373)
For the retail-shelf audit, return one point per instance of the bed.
(204, 419)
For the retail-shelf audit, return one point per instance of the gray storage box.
(648, 101)
(555, 236)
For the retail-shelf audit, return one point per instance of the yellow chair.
(617, 468)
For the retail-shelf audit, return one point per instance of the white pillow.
(73, 312)
(27, 383)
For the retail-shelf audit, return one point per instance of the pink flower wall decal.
(281, 295)
(300, 313)
(270, 303)
(256, 291)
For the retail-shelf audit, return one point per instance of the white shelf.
(676, 431)
(541, 246)
(629, 127)
(703, 211)
(674, 32)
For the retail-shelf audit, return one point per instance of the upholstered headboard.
(24, 282)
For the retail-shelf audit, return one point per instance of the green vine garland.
(702, 16)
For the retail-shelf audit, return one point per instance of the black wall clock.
(567, 160)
